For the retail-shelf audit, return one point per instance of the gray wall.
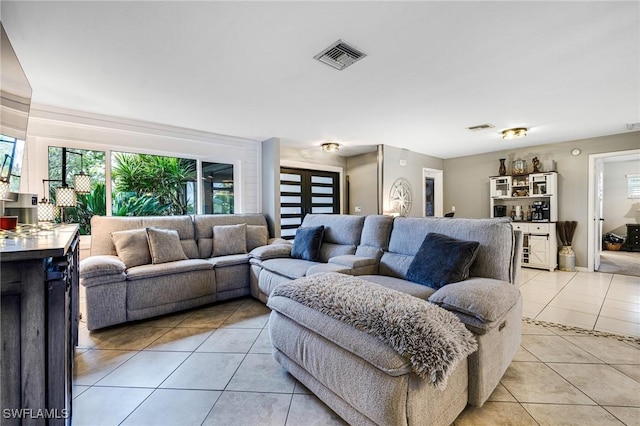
(412, 172)
(618, 209)
(466, 179)
(363, 183)
(271, 184)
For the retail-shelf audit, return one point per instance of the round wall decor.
(400, 199)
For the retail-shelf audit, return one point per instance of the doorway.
(598, 212)
(432, 193)
(304, 191)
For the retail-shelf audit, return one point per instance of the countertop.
(29, 242)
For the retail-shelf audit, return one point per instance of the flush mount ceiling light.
(516, 132)
(340, 55)
(330, 147)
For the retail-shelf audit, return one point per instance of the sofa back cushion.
(341, 233)
(375, 236)
(103, 226)
(203, 225)
(496, 257)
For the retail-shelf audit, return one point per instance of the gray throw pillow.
(441, 260)
(165, 245)
(229, 239)
(257, 236)
(132, 247)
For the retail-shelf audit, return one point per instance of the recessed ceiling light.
(516, 132)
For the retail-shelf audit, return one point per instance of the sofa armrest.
(486, 299)
(96, 266)
(353, 261)
(271, 251)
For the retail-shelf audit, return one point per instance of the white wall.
(74, 129)
(618, 209)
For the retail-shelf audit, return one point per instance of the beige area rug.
(620, 262)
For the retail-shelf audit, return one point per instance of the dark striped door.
(306, 191)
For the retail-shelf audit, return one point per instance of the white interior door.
(599, 208)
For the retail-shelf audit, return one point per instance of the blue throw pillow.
(442, 260)
(307, 243)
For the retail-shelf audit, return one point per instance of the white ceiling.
(566, 70)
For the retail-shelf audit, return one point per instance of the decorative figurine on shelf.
(503, 168)
(536, 164)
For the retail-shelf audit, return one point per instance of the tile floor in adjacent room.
(594, 301)
(213, 365)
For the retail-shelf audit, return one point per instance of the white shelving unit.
(518, 195)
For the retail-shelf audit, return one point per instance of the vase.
(503, 168)
(566, 259)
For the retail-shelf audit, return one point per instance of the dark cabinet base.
(39, 331)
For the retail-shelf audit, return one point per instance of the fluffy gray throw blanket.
(431, 338)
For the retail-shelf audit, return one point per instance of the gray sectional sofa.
(488, 303)
(359, 377)
(209, 269)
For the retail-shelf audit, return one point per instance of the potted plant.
(566, 255)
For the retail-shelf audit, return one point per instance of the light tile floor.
(594, 301)
(213, 366)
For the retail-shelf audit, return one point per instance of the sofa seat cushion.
(328, 267)
(169, 291)
(229, 260)
(169, 268)
(417, 290)
(290, 268)
(484, 299)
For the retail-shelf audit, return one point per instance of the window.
(149, 185)
(77, 160)
(633, 185)
(218, 188)
(11, 153)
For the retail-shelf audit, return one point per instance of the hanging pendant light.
(4, 188)
(82, 183)
(46, 209)
(65, 196)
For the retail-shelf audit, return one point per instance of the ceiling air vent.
(481, 127)
(339, 55)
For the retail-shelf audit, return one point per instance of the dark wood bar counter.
(39, 318)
